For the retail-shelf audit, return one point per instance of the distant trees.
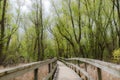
(74, 28)
(37, 20)
(116, 10)
(19, 38)
(91, 26)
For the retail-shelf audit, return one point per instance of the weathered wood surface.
(65, 73)
(78, 69)
(108, 67)
(7, 74)
(51, 74)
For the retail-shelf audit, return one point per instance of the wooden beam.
(11, 73)
(105, 66)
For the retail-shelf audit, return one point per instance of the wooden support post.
(53, 76)
(75, 70)
(36, 74)
(50, 67)
(86, 70)
(78, 62)
(85, 67)
(79, 73)
(99, 74)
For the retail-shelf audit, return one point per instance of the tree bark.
(42, 31)
(2, 27)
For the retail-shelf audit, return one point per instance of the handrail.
(78, 69)
(100, 65)
(108, 67)
(11, 73)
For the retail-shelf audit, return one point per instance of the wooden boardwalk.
(65, 73)
(59, 71)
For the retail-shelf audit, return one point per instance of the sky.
(46, 5)
(27, 4)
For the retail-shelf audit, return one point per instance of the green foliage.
(95, 33)
(49, 50)
(116, 54)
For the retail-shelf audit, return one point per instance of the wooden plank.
(79, 69)
(10, 73)
(65, 73)
(108, 67)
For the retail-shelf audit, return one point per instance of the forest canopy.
(33, 30)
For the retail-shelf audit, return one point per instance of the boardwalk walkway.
(65, 73)
(98, 71)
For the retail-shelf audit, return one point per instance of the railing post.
(36, 74)
(78, 62)
(86, 70)
(99, 74)
(79, 73)
(50, 67)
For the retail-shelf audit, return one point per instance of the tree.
(2, 30)
(88, 28)
(38, 22)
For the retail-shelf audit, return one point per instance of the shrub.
(116, 55)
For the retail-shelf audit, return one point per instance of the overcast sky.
(46, 5)
(27, 4)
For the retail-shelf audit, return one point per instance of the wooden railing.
(14, 72)
(100, 65)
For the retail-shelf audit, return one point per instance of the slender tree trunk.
(42, 31)
(38, 39)
(58, 47)
(2, 31)
(7, 46)
(34, 51)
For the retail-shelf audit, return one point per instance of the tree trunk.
(42, 32)
(38, 39)
(2, 31)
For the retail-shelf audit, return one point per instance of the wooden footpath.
(65, 69)
(65, 73)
